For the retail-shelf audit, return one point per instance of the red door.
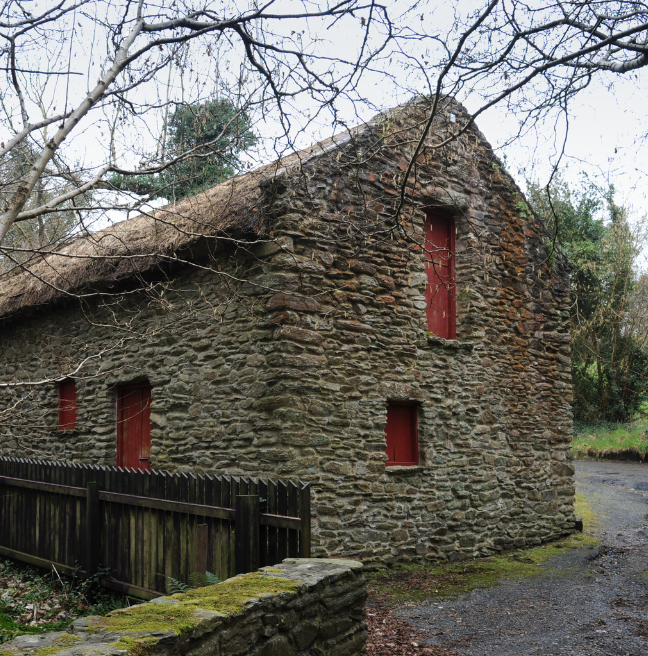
(440, 290)
(134, 426)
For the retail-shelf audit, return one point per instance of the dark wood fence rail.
(147, 527)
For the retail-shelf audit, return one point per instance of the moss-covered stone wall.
(278, 359)
(303, 606)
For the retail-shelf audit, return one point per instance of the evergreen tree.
(212, 135)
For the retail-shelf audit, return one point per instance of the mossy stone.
(226, 599)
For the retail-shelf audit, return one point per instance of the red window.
(402, 434)
(134, 426)
(440, 267)
(67, 404)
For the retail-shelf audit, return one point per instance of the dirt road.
(591, 600)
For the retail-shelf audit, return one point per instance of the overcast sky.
(606, 124)
(606, 139)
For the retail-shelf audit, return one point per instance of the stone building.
(415, 367)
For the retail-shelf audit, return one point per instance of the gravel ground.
(590, 600)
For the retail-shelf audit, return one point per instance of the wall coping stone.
(315, 606)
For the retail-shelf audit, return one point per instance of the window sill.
(433, 340)
(404, 469)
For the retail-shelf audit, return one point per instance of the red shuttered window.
(134, 426)
(402, 434)
(440, 268)
(67, 404)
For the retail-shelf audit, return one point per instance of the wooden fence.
(147, 527)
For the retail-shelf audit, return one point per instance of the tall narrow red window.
(402, 434)
(440, 267)
(134, 426)
(67, 404)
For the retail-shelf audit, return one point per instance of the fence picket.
(263, 530)
(138, 524)
(273, 546)
(213, 496)
(293, 511)
(189, 556)
(158, 519)
(227, 557)
(282, 509)
(123, 564)
(305, 515)
(176, 567)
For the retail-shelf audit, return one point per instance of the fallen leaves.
(390, 636)
(421, 582)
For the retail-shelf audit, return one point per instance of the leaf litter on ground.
(34, 600)
(390, 636)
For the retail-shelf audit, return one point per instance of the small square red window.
(67, 406)
(402, 434)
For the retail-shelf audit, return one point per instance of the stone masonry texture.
(324, 616)
(276, 357)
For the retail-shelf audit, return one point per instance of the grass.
(417, 583)
(611, 441)
(583, 509)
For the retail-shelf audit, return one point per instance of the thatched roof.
(95, 262)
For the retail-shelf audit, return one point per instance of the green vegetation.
(610, 440)
(35, 601)
(416, 583)
(136, 646)
(609, 296)
(583, 509)
(523, 209)
(197, 580)
(211, 135)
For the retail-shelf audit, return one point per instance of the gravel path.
(589, 601)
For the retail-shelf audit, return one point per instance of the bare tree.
(111, 72)
(531, 58)
(136, 49)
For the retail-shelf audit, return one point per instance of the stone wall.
(301, 607)
(278, 360)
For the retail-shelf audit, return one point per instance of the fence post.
(246, 541)
(305, 510)
(93, 529)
